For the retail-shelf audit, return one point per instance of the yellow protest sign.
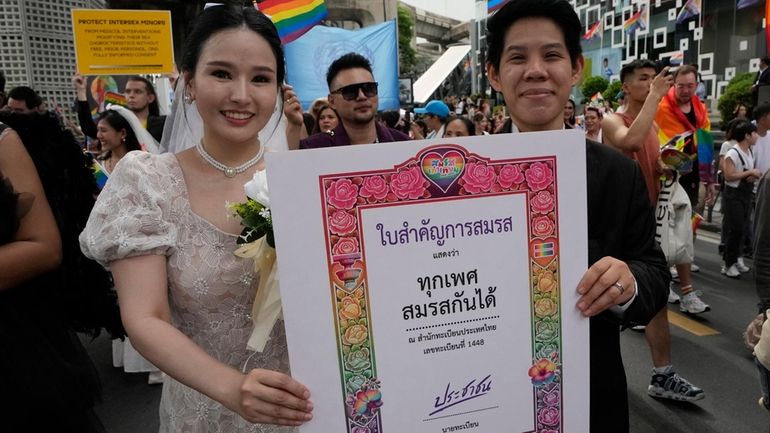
(123, 42)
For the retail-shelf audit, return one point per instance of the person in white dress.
(185, 297)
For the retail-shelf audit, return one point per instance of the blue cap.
(435, 107)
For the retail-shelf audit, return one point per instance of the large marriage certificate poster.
(429, 286)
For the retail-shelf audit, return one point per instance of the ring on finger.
(619, 286)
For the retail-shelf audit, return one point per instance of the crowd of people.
(154, 219)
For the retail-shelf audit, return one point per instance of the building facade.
(722, 37)
(37, 48)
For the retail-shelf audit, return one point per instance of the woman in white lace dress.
(161, 225)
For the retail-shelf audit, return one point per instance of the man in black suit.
(763, 79)
(534, 59)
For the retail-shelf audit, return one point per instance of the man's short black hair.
(26, 94)
(631, 67)
(558, 11)
(761, 110)
(347, 61)
(765, 60)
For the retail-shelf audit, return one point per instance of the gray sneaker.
(692, 304)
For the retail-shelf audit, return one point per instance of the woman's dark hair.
(423, 127)
(82, 288)
(574, 108)
(119, 123)
(467, 122)
(731, 128)
(321, 108)
(216, 19)
(391, 118)
(154, 107)
(558, 11)
(742, 129)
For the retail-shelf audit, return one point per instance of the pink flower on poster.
(542, 202)
(549, 416)
(539, 176)
(510, 175)
(374, 188)
(542, 226)
(478, 178)
(342, 194)
(342, 223)
(408, 184)
(346, 245)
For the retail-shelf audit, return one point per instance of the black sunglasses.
(350, 92)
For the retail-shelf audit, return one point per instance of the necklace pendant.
(230, 172)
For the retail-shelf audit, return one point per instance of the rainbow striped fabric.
(689, 10)
(99, 175)
(596, 30)
(493, 5)
(545, 249)
(293, 18)
(635, 22)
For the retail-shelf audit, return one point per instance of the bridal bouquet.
(255, 211)
(257, 242)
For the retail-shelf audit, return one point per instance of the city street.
(707, 350)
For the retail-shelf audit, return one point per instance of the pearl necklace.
(229, 171)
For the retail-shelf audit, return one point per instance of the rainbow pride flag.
(689, 10)
(293, 18)
(493, 5)
(677, 58)
(596, 30)
(99, 175)
(635, 22)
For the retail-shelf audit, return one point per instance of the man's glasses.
(350, 93)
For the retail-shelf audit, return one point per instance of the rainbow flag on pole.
(635, 22)
(689, 10)
(493, 5)
(293, 18)
(596, 30)
(677, 58)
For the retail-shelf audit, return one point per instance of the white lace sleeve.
(128, 218)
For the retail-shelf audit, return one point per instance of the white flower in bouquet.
(256, 188)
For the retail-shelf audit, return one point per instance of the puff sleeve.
(130, 217)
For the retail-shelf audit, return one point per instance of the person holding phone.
(353, 95)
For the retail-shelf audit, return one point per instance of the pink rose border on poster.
(441, 172)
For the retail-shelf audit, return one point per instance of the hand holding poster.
(424, 287)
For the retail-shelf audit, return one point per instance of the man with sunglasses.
(353, 94)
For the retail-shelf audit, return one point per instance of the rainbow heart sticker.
(443, 169)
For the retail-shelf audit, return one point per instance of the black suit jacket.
(763, 78)
(621, 224)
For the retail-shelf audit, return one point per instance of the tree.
(406, 53)
(592, 86)
(738, 91)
